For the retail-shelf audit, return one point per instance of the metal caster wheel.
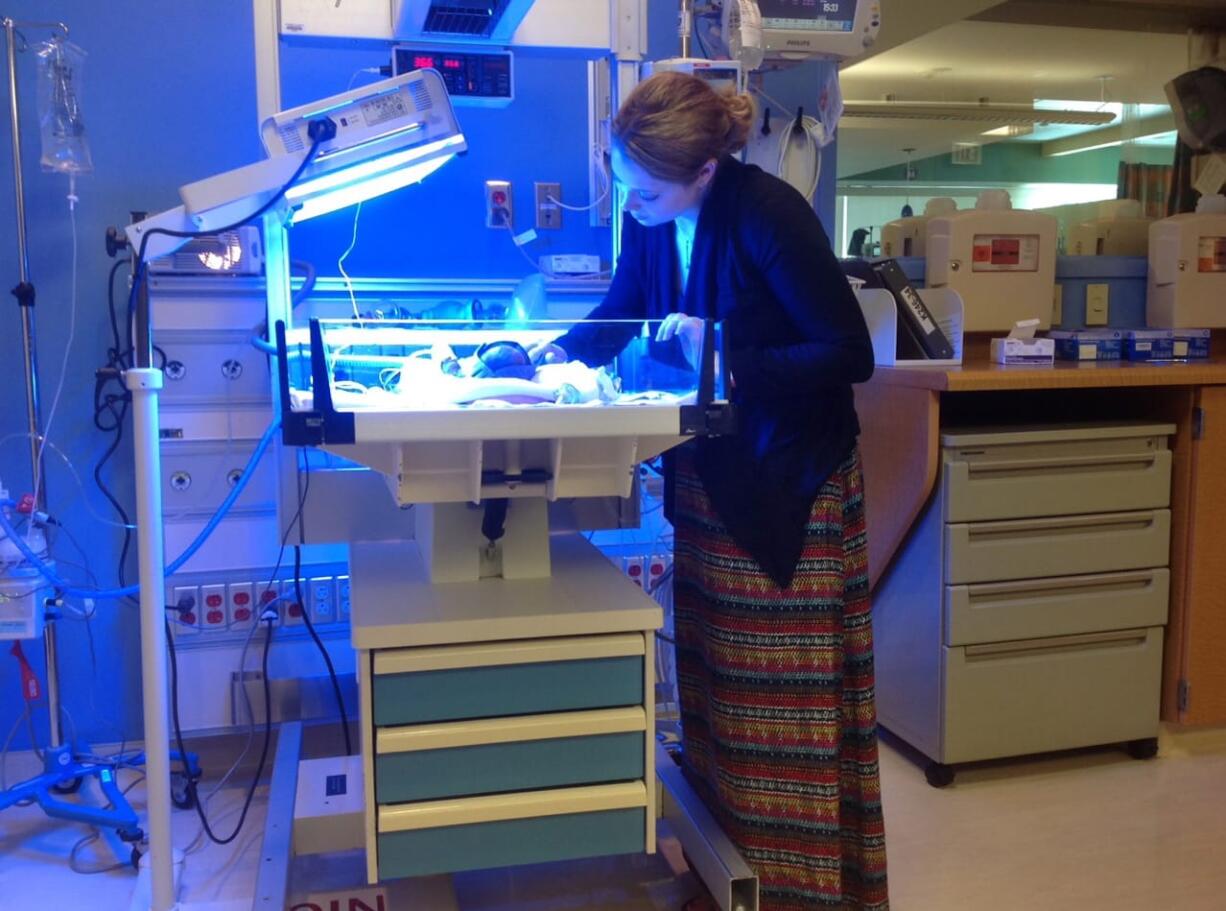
(939, 775)
(67, 787)
(181, 795)
(1143, 749)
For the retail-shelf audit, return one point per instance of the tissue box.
(1016, 351)
(1191, 343)
(1149, 345)
(1088, 344)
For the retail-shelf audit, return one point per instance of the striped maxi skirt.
(776, 691)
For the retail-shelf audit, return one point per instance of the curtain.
(1149, 184)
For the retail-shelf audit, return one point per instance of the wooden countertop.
(977, 374)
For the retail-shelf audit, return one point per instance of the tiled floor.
(1094, 830)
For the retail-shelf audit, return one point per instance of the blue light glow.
(368, 180)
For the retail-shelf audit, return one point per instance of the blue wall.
(169, 98)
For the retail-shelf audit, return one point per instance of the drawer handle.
(1052, 527)
(1080, 585)
(1056, 644)
(1078, 464)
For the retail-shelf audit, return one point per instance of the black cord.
(320, 132)
(306, 616)
(192, 792)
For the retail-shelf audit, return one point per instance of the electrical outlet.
(268, 593)
(188, 622)
(321, 594)
(213, 607)
(499, 208)
(241, 604)
(292, 609)
(548, 210)
(633, 567)
(1097, 299)
(656, 567)
(342, 598)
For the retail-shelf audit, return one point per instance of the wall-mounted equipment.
(1000, 259)
(1119, 230)
(909, 236)
(834, 29)
(1187, 268)
(237, 252)
(473, 77)
(458, 20)
(723, 75)
(1198, 101)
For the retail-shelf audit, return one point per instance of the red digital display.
(451, 63)
(423, 62)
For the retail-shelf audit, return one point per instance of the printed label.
(1005, 253)
(1212, 254)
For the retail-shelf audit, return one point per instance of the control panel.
(474, 78)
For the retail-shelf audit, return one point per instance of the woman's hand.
(686, 329)
(547, 353)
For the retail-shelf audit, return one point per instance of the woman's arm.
(786, 243)
(625, 300)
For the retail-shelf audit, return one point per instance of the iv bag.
(61, 125)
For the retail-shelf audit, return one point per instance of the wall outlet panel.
(499, 204)
(321, 593)
(212, 607)
(1098, 298)
(548, 211)
(240, 604)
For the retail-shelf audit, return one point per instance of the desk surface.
(979, 375)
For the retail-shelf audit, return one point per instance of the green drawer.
(506, 690)
(427, 852)
(496, 768)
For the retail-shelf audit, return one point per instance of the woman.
(774, 649)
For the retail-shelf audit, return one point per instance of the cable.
(306, 616)
(791, 156)
(193, 795)
(539, 268)
(72, 334)
(49, 574)
(320, 131)
(340, 263)
(607, 181)
(201, 837)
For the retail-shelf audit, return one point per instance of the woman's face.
(657, 202)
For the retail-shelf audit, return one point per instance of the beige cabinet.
(1024, 613)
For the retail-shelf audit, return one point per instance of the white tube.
(144, 384)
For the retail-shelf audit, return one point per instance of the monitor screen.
(809, 15)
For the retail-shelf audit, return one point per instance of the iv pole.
(143, 382)
(24, 292)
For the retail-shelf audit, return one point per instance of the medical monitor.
(839, 29)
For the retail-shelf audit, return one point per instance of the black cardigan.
(796, 338)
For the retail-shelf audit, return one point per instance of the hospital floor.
(1088, 830)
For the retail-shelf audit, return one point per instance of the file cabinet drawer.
(477, 833)
(983, 488)
(487, 846)
(501, 755)
(1005, 611)
(1050, 694)
(524, 689)
(452, 683)
(1062, 546)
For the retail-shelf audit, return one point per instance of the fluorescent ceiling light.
(1009, 131)
(999, 114)
(1137, 131)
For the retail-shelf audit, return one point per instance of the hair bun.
(741, 115)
